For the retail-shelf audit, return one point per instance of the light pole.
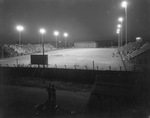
(42, 31)
(19, 28)
(56, 33)
(2, 51)
(65, 35)
(120, 19)
(118, 32)
(124, 5)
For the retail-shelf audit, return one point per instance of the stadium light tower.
(56, 33)
(2, 51)
(120, 19)
(124, 4)
(42, 31)
(65, 35)
(19, 28)
(118, 32)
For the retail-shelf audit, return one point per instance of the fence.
(76, 66)
(61, 74)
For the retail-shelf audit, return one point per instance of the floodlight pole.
(65, 35)
(65, 41)
(19, 37)
(20, 29)
(43, 45)
(2, 52)
(120, 37)
(118, 34)
(19, 40)
(126, 29)
(56, 41)
(43, 50)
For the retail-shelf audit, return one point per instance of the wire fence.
(76, 66)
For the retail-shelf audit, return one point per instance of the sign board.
(39, 59)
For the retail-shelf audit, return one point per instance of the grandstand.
(145, 47)
(11, 50)
(138, 54)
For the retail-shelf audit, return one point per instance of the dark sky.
(91, 20)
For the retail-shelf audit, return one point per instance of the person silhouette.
(53, 95)
(49, 91)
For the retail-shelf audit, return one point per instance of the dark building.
(86, 44)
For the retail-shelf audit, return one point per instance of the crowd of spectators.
(10, 50)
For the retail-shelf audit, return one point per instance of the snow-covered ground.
(83, 58)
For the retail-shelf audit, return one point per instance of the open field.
(103, 58)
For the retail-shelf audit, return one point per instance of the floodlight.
(120, 19)
(124, 4)
(56, 33)
(119, 26)
(65, 34)
(42, 31)
(20, 28)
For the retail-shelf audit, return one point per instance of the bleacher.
(134, 49)
(15, 49)
(141, 50)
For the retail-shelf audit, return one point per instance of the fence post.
(97, 67)
(55, 65)
(134, 68)
(42, 75)
(17, 62)
(86, 67)
(75, 66)
(109, 67)
(93, 64)
(120, 68)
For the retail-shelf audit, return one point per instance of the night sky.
(92, 20)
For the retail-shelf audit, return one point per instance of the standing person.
(48, 89)
(53, 95)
